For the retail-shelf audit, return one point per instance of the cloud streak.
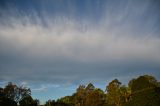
(44, 87)
(45, 47)
(68, 39)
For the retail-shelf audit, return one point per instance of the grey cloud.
(69, 51)
(65, 39)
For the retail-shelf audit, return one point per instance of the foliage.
(12, 94)
(142, 82)
(95, 98)
(147, 97)
(141, 91)
(15, 93)
(113, 97)
(28, 101)
(145, 92)
(80, 96)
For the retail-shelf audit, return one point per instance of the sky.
(52, 46)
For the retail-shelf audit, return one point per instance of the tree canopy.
(141, 91)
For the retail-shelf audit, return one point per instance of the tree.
(67, 101)
(28, 101)
(95, 98)
(141, 91)
(142, 82)
(90, 87)
(80, 96)
(15, 93)
(113, 97)
(4, 101)
(125, 93)
(50, 103)
(145, 91)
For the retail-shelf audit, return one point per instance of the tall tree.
(95, 98)
(15, 93)
(80, 96)
(113, 97)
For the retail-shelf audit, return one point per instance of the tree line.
(141, 91)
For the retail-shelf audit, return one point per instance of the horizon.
(54, 46)
(24, 85)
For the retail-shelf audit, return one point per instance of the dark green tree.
(142, 82)
(145, 91)
(4, 101)
(15, 93)
(50, 103)
(28, 101)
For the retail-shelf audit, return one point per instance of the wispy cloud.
(70, 40)
(38, 46)
(45, 87)
(53, 46)
(41, 89)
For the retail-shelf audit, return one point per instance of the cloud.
(24, 83)
(68, 39)
(41, 89)
(61, 49)
(44, 87)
